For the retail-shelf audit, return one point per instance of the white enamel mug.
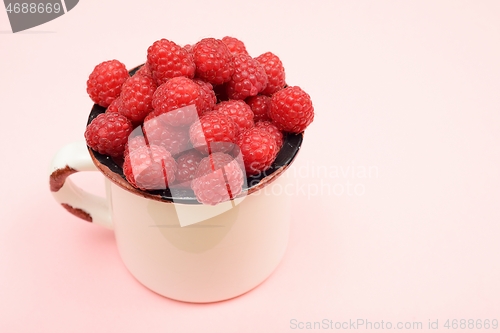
(233, 247)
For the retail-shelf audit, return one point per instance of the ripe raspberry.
(133, 143)
(115, 105)
(108, 133)
(137, 95)
(274, 70)
(173, 139)
(291, 109)
(149, 168)
(213, 61)
(179, 98)
(238, 111)
(234, 45)
(207, 95)
(213, 132)
(105, 82)
(144, 71)
(249, 77)
(188, 47)
(187, 163)
(273, 130)
(258, 148)
(217, 179)
(167, 60)
(260, 106)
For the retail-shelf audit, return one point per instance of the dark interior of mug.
(113, 170)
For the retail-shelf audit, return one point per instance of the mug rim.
(112, 170)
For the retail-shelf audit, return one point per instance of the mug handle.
(70, 159)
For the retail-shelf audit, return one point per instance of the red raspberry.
(213, 61)
(105, 82)
(213, 132)
(188, 47)
(258, 148)
(249, 77)
(273, 130)
(144, 71)
(234, 45)
(260, 106)
(274, 70)
(137, 95)
(167, 60)
(173, 139)
(133, 143)
(291, 109)
(115, 105)
(217, 179)
(238, 111)
(108, 133)
(149, 168)
(180, 99)
(187, 163)
(207, 95)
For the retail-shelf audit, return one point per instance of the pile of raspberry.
(202, 116)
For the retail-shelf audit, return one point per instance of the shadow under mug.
(233, 247)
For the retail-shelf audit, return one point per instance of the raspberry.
(108, 133)
(144, 71)
(187, 163)
(274, 70)
(291, 109)
(180, 99)
(115, 105)
(249, 77)
(213, 61)
(167, 60)
(149, 168)
(105, 82)
(273, 130)
(238, 111)
(137, 95)
(213, 132)
(234, 45)
(258, 148)
(188, 47)
(260, 106)
(217, 179)
(134, 143)
(173, 139)
(207, 95)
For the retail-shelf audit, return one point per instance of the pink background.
(408, 88)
